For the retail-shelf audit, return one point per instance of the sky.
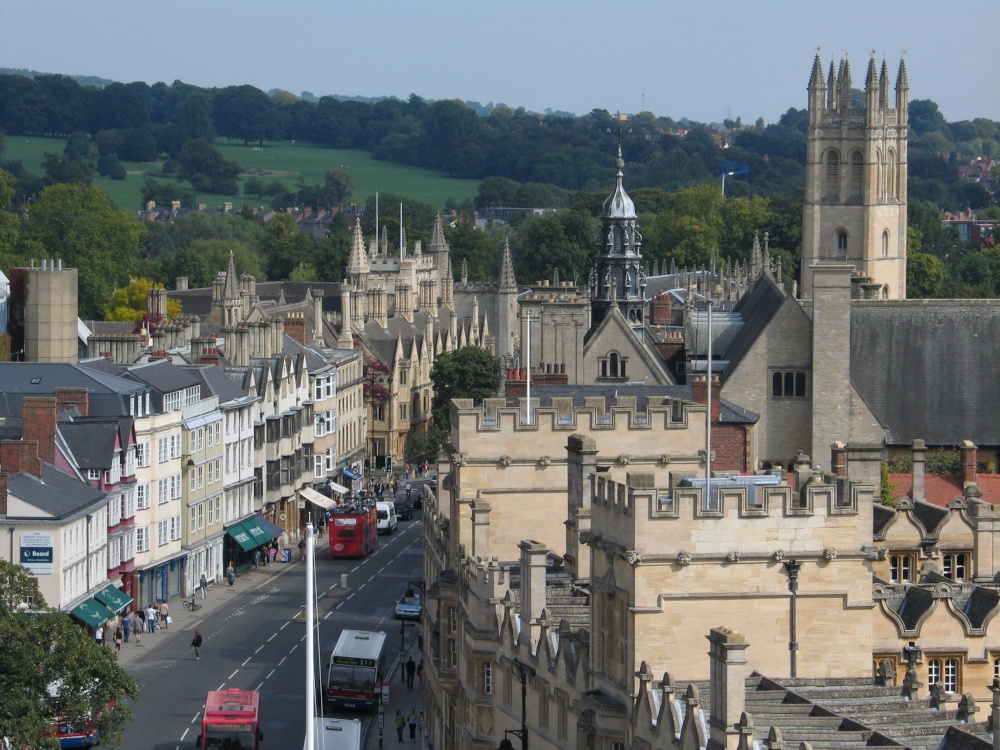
(702, 59)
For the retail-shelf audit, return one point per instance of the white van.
(387, 521)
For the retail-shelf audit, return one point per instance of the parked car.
(410, 606)
(404, 511)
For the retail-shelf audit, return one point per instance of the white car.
(387, 520)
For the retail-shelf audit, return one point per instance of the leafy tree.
(469, 372)
(165, 193)
(562, 240)
(474, 246)
(10, 223)
(202, 259)
(304, 271)
(203, 166)
(80, 225)
(245, 113)
(130, 303)
(59, 169)
(79, 147)
(377, 379)
(924, 275)
(285, 247)
(52, 667)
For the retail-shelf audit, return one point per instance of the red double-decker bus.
(232, 719)
(352, 531)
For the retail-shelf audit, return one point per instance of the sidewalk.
(400, 699)
(220, 596)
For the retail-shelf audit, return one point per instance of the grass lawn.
(283, 161)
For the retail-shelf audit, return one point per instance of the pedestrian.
(411, 669)
(400, 723)
(164, 614)
(99, 635)
(126, 626)
(231, 573)
(150, 619)
(137, 627)
(420, 726)
(203, 585)
(411, 722)
(255, 560)
(118, 641)
(196, 644)
(273, 551)
(302, 549)
(420, 673)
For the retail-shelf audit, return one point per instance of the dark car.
(404, 511)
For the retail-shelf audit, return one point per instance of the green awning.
(256, 531)
(93, 613)
(242, 537)
(113, 598)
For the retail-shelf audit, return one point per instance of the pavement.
(221, 596)
(400, 699)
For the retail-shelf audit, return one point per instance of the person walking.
(411, 669)
(302, 549)
(150, 619)
(400, 724)
(164, 615)
(231, 573)
(420, 673)
(118, 641)
(420, 727)
(99, 635)
(196, 643)
(411, 722)
(256, 558)
(203, 585)
(137, 627)
(126, 626)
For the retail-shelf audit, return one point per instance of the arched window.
(613, 365)
(833, 174)
(885, 243)
(857, 173)
(890, 175)
(841, 243)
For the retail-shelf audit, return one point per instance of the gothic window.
(613, 366)
(933, 672)
(857, 173)
(885, 243)
(996, 669)
(841, 243)
(890, 175)
(833, 174)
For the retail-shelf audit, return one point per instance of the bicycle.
(191, 605)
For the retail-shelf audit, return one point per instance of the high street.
(254, 639)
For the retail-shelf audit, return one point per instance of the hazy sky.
(703, 59)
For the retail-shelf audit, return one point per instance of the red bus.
(352, 531)
(232, 719)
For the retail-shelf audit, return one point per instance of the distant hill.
(82, 80)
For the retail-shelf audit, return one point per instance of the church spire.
(232, 280)
(883, 86)
(507, 281)
(358, 262)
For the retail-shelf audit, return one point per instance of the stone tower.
(617, 277)
(855, 203)
(50, 313)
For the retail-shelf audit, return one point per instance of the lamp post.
(792, 567)
(522, 734)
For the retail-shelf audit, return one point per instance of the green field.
(283, 161)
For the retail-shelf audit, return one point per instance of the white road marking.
(245, 663)
(269, 675)
(259, 686)
(259, 649)
(233, 675)
(283, 626)
(271, 638)
(282, 660)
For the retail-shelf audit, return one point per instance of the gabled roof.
(92, 441)
(757, 308)
(218, 383)
(108, 395)
(925, 368)
(163, 376)
(617, 327)
(57, 494)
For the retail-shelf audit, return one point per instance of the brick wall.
(38, 414)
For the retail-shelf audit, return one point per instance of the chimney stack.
(78, 397)
(699, 394)
(838, 459)
(533, 562)
(38, 415)
(969, 463)
(20, 455)
(917, 491)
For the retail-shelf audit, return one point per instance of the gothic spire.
(465, 270)
(232, 280)
(831, 88)
(358, 262)
(619, 205)
(902, 82)
(507, 281)
(883, 86)
(816, 78)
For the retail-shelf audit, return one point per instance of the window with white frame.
(199, 439)
(162, 449)
(176, 490)
(128, 504)
(175, 528)
(142, 539)
(94, 475)
(191, 395)
(901, 568)
(319, 466)
(452, 654)
(142, 454)
(955, 566)
(128, 546)
(951, 675)
(175, 445)
(452, 619)
(214, 510)
(201, 477)
(996, 669)
(163, 490)
(197, 517)
(142, 497)
(172, 401)
(162, 532)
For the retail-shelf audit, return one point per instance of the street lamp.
(792, 567)
(522, 734)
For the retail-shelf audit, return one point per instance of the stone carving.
(778, 555)
(875, 553)
(829, 554)
(967, 708)
(459, 459)
(545, 461)
(683, 559)
(910, 682)
(938, 695)
(886, 673)
(664, 459)
(505, 461)
(733, 557)
(623, 460)
(632, 557)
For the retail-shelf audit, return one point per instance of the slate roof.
(757, 308)
(925, 367)
(108, 395)
(218, 383)
(92, 441)
(881, 518)
(56, 493)
(930, 516)
(163, 376)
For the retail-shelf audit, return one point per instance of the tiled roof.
(940, 489)
(92, 441)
